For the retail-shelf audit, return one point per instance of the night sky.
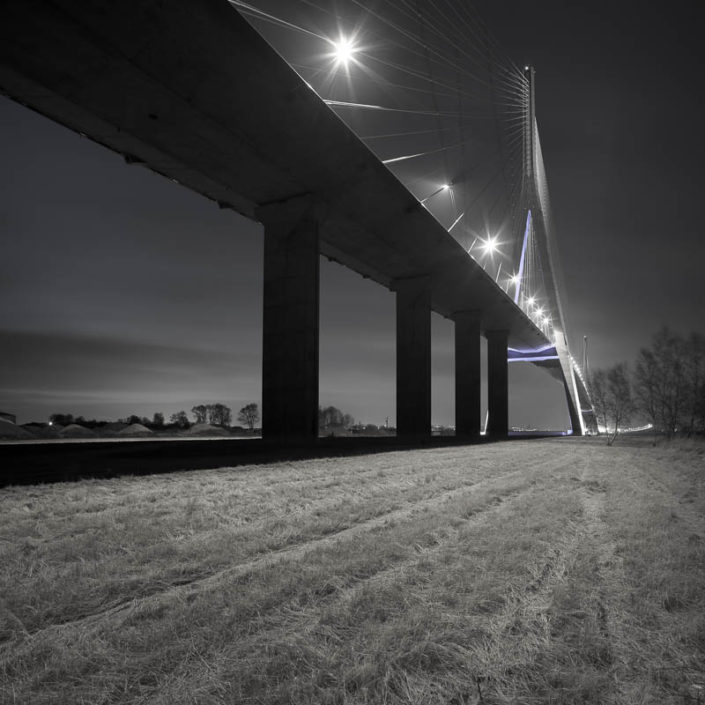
(121, 292)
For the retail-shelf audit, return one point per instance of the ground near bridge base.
(545, 571)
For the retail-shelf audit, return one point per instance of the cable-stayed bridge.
(402, 144)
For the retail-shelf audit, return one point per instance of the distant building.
(8, 417)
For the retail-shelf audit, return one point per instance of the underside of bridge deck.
(193, 92)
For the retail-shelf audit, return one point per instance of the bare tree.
(620, 405)
(61, 419)
(647, 386)
(249, 415)
(200, 412)
(612, 399)
(180, 419)
(330, 417)
(219, 414)
(668, 382)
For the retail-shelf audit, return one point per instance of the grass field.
(554, 571)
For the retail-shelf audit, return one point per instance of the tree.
(180, 419)
(158, 420)
(249, 415)
(219, 414)
(619, 397)
(647, 384)
(200, 412)
(330, 417)
(612, 399)
(61, 419)
(668, 382)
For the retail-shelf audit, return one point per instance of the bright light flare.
(445, 187)
(490, 245)
(515, 279)
(344, 51)
(531, 301)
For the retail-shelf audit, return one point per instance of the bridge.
(193, 91)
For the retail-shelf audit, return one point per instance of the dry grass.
(531, 572)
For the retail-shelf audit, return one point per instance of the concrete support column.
(497, 383)
(413, 357)
(468, 377)
(290, 320)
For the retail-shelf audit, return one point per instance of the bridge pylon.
(536, 214)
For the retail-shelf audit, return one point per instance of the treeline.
(665, 387)
(217, 415)
(157, 421)
(330, 418)
(214, 414)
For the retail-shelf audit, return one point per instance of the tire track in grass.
(323, 532)
(294, 553)
(301, 630)
(577, 601)
(607, 567)
(71, 639)
(316, 519)
(186, 671)
(534, 646)
(576, 607)
(268, 532)
(310, 623)
(331, 595)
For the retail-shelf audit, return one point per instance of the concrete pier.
(290, 320)
(468, 374)
(497, 383)
(413, 357)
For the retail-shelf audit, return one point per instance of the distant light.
(445, 187)
(526, 68)
(531, 301)
(344, 51)
(515, 279)
(539, 311)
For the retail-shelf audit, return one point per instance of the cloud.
(75, 368)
